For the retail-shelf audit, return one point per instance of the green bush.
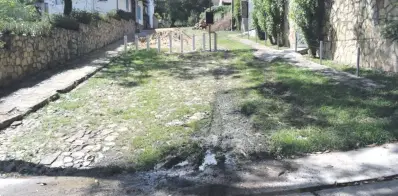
(65, 22)
(83, 16)
(26, 28)
(113, 15)
(16, 10)
(125, 15)
(390, 31)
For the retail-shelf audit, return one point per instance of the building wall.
(25, 55)
(354, 24)
(350, 24)
(57, 6)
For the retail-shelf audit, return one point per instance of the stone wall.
(25, 55)
(357, 23)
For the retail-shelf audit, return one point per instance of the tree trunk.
(67, 7)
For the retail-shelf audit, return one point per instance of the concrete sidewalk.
(317, 173)
(36, 91)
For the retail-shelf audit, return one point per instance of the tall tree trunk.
(67, 7)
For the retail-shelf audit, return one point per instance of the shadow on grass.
(302, 111)
(134, 68)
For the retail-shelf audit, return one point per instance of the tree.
(67, 7)
(308, 16)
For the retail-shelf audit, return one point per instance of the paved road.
(380, 188)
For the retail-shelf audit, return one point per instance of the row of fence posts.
(171, 43)
(321, 47)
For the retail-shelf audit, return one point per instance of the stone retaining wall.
(354, 24)
(25, 55)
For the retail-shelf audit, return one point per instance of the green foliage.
(113, 14)
(181, 10)
(65, 22)
(268, 16)
(125, 15)
(219, 12)
(308, 16)
(14, 10)
(25, 28)
(83, 16)
(390, 31)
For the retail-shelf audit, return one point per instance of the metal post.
(277, 40)
(147, 43)
(182, 43)
(215, 41)
(296, 42)
(204, 41)
(210, 38)
(255, 34)
(159, 43)
(193, 43)
(170, 43)
(125, 44)
(320, 52)
(358, 59)
(136, 43)
(265, 36)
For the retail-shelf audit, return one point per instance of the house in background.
(104, 6)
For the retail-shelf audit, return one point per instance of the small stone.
(89, 158)
(106, 132)
(105, 148)
(68, 159)
(99, 156)
(78, 143)
(110, 143)
(88, 148)
(49, 159)
(78, 155)
(86, 163)
(70, 164)
(58, 163)
(16, 123)
(97, 148)
(110, 138)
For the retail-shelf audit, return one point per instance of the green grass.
(301, 111)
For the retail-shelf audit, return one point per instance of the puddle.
(210, 159)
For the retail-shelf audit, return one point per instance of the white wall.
(89, 5)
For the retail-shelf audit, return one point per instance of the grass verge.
(301, 111)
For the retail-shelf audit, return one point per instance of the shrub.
(11, 10)
(65, 22)
(26, 28)
(83, 16)
(390, 31)
(113, 14)
(125, 15)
